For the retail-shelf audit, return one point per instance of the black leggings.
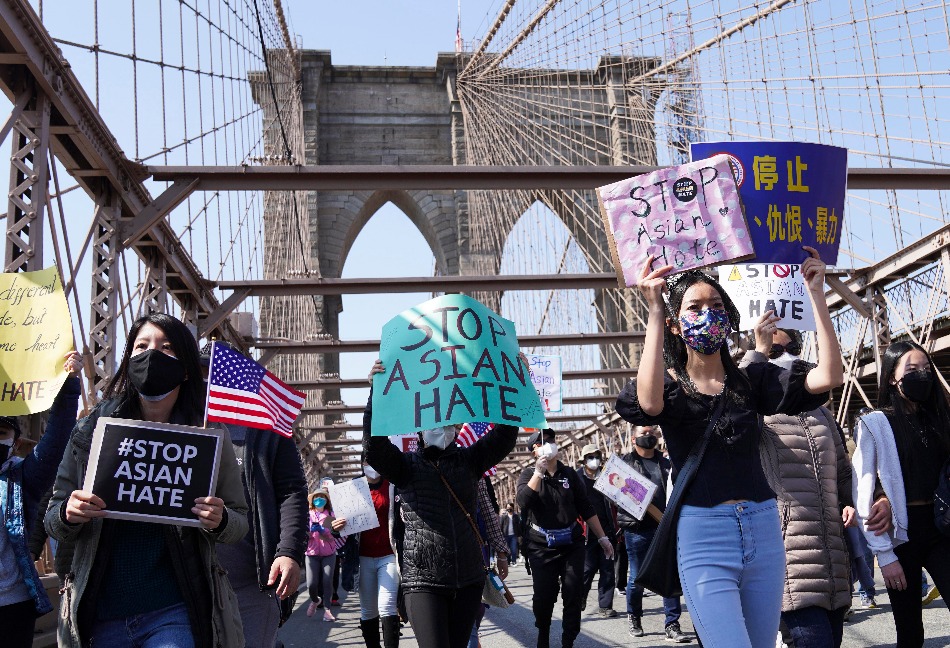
(17, 621)
(928, 548)
(443, 618)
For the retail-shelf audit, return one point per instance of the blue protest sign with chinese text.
(793, 193)
(451, 360)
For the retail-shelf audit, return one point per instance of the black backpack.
(942, 501)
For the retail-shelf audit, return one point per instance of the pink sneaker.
(312, 608)
(328, 616)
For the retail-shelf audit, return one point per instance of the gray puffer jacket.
(806, 463)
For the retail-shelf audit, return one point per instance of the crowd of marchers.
(765, 517)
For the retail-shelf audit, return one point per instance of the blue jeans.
(165, 628)
(637, 544)
(732, 567)
(379, 585)
(512, 541)
(860, 568)
(815, 627)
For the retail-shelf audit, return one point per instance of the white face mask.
(593, 463)
(370, 472)
(547, 450)
(785, 360)
(439, 437)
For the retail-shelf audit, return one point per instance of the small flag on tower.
(242, 392)
(472, 432)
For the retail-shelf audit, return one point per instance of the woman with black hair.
(901, 449)
(729, 542)
(136, 583)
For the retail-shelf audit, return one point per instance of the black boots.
(370, 629)
(391, 631)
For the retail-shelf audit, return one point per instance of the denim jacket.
(26, 481)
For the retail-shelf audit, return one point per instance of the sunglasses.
(794, 348)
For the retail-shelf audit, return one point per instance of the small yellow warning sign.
(734, 275)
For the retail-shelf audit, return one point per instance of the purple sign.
(793, 194)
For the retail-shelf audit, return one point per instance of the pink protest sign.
(689, 216)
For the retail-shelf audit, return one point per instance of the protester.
(379, 573)
(552, 498)
(321, 553)
(807, 466)
(595, 560)
(510, 523)
(638, 534)
(138, 583)
(734, 592)
(265, 573)
(903, 446)
(442, 569)
(23, 484)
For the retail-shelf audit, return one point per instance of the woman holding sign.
(442, 569)
(728, 537)
(138, 583)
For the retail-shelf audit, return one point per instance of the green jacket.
(205, 586)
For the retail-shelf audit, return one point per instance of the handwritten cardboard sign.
(451, 360)
(625, 487)
(353, 501)
(793, 194)
(35, 335)
(546, 378)
(152, 472)
(759, 287)
(689, 216)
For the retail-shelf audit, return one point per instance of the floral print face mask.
(706, 330)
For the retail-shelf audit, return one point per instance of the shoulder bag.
(495, 592)
(659, 572)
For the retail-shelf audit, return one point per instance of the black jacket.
(625, 520)
(603, 506)
(440, 550)
(276, 492)
(561, 500)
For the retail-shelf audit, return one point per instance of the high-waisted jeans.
(732, 567)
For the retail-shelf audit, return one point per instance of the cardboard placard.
(759, 287)
(152, 472)
(793, 193)
(352, 500)
(625, 487)
(689, 216)
(546, 376)
(451, 360)
(37, 333)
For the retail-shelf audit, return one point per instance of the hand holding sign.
(814, 270)
(82, 506)
(652, 284)
(209, 511)
(765, 328)
(73, 363)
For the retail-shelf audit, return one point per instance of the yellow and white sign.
(35, 335)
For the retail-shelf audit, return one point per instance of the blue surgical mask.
(319, 502)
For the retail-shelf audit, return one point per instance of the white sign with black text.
(759, 287)
(546, 378)
(352, 500)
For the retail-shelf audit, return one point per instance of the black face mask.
(917, 385)
(154, 373)
(647, 442)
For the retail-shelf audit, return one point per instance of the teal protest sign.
(451, 360)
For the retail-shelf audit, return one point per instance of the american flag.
(243, 392)
(472, 432)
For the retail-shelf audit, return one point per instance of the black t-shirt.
(731, 469)
(600, 503)
(921, 454)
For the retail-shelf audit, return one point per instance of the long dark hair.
(935, 411)
(674, 349)
(189, 406)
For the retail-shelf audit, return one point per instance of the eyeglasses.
(794, 348)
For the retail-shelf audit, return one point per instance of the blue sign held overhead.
(793, 194)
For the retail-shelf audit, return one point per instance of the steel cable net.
(201, 82)
(601, 82)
